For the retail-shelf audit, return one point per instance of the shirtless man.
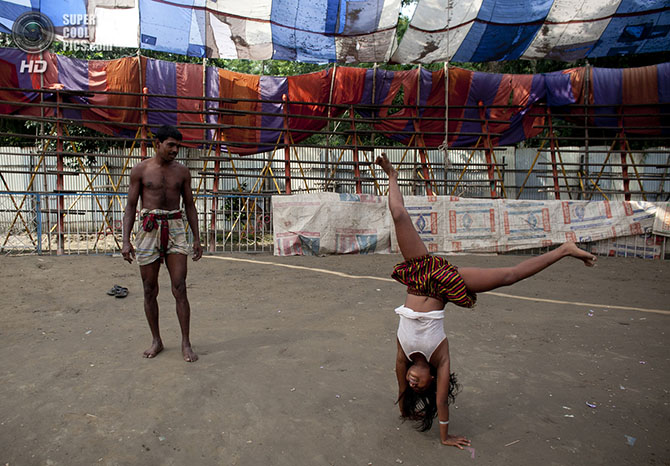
(161, 182)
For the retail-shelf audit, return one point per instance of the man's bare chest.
(160, 181)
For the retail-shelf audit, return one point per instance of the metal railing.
(94, 223)
(59, 197)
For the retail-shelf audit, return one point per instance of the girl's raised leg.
(478, 280)
(409, 241)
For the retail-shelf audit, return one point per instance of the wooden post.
(424, 169)
(624, 167)
(215, 193)
(624, 159)
(554, 171)
(488, 151)
(60, 185)
(587, 78)
(624, 173)
(420, 141)
(144, 102)
(357, 170)
(287, 148)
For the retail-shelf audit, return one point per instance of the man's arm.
(128, 252)
(191, 214)
(443, 409)
(401, 374)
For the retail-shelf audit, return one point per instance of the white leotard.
(420, 332)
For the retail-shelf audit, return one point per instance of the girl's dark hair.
(422, 406)
(168, 131)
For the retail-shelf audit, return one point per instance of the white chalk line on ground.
(494, 293)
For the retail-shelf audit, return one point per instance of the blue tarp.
(351, 31)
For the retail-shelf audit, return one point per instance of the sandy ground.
(297, 366)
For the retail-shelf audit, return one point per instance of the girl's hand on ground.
(456, 441)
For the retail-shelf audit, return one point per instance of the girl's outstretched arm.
(443, 410)
(401, 373)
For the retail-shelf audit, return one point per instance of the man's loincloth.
(162, 232)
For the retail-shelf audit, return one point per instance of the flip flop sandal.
(122, 293)
(115, 290)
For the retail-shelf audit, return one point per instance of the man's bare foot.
(188, 353)
(571, 249)
(156, 347)
(386, 165)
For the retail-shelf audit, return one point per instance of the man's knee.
(179, 289)
(150, 290)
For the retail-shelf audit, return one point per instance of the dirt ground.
(297, 366)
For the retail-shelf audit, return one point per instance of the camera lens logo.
(33, 32)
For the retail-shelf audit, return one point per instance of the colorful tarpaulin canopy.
(318, 31)
(492, 30)
(504, 105)
(354, 31)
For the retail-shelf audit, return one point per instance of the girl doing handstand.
(425, 383)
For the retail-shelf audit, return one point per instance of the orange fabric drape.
(239, 86)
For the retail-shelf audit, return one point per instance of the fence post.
(554, 170)
(144, 102)
(416, 124)
(587, 162)
(38, 220)
(215, 193)
(287, 148)
(357, 170)
(60, 185)
(488, 151)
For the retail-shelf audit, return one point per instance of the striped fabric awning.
(494, 30)
(504, 105)
(360, 31)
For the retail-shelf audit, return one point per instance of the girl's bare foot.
(386, 165)
(156, 347)
(571, 249)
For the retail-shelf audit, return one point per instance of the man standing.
(162, 182)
